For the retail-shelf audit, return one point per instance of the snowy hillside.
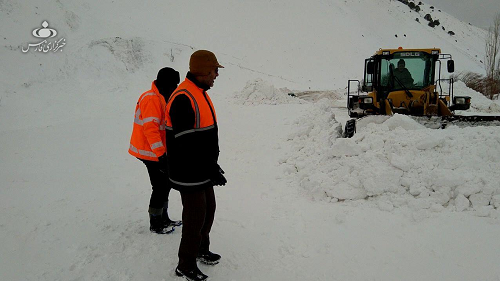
(396, 202)
(478, 13)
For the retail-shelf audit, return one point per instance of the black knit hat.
(167, 77)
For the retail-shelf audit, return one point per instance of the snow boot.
(208, 258)
(157, 225)
(193, 275)
(167, 222)
(170, 223)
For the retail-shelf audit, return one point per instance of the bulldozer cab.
(403, 81)
(395, 70)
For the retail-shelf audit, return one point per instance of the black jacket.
(192, 157)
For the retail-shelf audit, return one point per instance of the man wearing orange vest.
(148, 145)
(193, 152)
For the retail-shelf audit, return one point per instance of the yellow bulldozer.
(407, 81)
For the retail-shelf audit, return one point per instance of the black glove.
(220, 169)
(216, 176)
(162, 163)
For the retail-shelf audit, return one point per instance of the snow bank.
(479, 103)
(258, 92)
(336, 95)
(397, 163)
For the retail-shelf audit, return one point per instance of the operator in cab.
(402, 75)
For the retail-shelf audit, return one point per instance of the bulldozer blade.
(471, 121)
(440, 122)
(471, 118)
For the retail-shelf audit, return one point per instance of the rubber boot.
(157, 225)
(208, 258)
(167, 222)
(191, 275)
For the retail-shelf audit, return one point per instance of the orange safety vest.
(185, 168)
(203, 113)
(148, 136)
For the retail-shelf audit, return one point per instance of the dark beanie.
(167, 77)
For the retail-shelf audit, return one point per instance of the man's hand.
(162, 162)
(219, 168)
(217, 177)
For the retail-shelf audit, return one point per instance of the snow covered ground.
(398, 201)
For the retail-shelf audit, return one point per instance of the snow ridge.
(453, 169)
(258, 92)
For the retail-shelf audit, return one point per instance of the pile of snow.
(479, 103)
(400, 163)
(316, 129)
(258, 91)
(318, 95)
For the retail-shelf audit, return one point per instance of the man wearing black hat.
(148, 145)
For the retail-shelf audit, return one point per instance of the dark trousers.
(197, 218)
(160, 185)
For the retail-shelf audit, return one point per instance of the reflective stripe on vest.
(189, 183)
(157, 145)
(192, 130)
(148, 94)
(141, 122)
(197, 114)
(196, 108)
(142, 152)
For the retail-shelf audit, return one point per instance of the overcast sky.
(477, 12)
